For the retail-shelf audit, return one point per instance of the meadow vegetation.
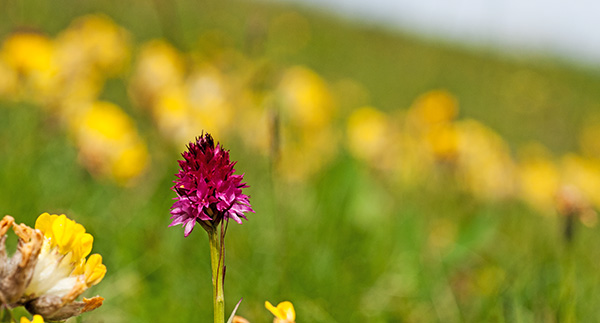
(393, 179)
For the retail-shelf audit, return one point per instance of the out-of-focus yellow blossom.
(307, 110)
(284, 312)
(378, 139)
(159, 67)
(260, 120)
(28, 52)
(305, 97)
(200, 103)
(583, 173)
(108, 142)
(36, 319)
(90, 50)
(305, 153)
(209, 100)
(433, 108)
(484, 164)
(32, 57)
(539, 179)
(171, 113)
(51, 267)
(443, 142)
(93, 42)
(368, 132)
(430, 118)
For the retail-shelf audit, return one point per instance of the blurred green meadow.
(371, 206)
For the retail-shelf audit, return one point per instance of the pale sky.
(568, 28)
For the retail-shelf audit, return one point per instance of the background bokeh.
(394, 179)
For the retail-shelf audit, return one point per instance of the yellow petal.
(44, 223)
(65, 232)
(82, 246)
(94, 270)
(288, 309)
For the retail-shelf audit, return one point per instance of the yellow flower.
(306, 98)
(368, 133)
(484, 164)
(539, 180)
(93, 42)
(583, 173)
(159, 66)
(53, 270)
(28, 52)
(434, 108)
(307, 139)
(284, 312)
(108, 142)
(31, 56)
(36, 319)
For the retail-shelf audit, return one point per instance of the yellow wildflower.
(484, 164)
(539, 179)
(368, 133)
(93, 42)
(159, 66)
(108, 142)
(28, 52)
(434, 108)
(53, 270)
(284, 312)
(306, 98)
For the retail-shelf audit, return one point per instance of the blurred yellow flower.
(443, 142)
(484, 164)
(368, 132)
(433, 108)
(307, 111)
(539, 179)
(93, 42)
(208, 98)
(159, 66)
(583, 173)
(305, 97)
(32, 57)
(284, 312)
(28, 52)
(108, 142)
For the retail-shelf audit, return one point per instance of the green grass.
(345, 246)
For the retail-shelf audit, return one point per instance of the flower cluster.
(207, 189)
(65, 75)
(49, 270)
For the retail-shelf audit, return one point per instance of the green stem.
(217, 262)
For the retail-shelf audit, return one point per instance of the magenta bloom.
(207, 190)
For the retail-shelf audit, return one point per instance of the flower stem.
(217, 262)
